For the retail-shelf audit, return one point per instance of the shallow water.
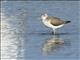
(24, 37)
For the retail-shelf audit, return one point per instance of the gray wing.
(55, 21)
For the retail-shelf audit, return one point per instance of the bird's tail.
(67, 22)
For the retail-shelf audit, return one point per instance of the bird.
(53, 22)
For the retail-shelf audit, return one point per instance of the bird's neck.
(44, 18)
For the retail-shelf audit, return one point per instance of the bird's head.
(43, 17)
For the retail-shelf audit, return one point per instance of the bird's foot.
(54, 33)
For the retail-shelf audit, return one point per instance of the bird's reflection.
(52, 44)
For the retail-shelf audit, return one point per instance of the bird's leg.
(54, 31)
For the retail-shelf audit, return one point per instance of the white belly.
(48, 24)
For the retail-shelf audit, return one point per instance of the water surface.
(22, 26)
